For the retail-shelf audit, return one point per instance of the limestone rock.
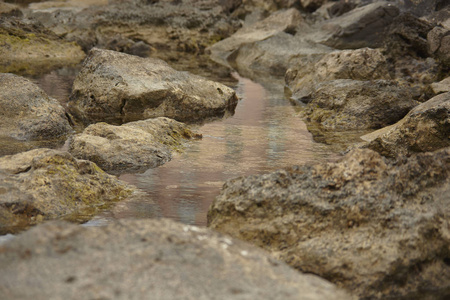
(27, 112)
(346, 104)
(281, 21)
(135, 146)
(28, 48)
(425, 128)
(44, 184)
(143, 259)
(380, 230)
(361, 64)
(439, 44)
(125, 87)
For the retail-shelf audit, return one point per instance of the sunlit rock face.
(377, 228)
(138, 259)
(126, 87)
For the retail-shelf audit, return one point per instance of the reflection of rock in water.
(264, 134)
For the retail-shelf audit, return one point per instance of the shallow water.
(264, 134)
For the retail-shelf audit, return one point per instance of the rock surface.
(157, 259)
(425, 128)
(27, 112)
(346, 104)
(28, 48)
(125, 87)
(380, 230)
(44, 184)
(135, 146)
(361, 64)
(442, 86)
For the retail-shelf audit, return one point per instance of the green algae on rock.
(30, 49)
(45, 184)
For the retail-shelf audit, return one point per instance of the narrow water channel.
(264, 134)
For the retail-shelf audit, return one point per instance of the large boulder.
(346, 104)
(380, 230)
(361, 64)
(147, 259)
(28, 48)
(27, 112)
(135, 146)
(425, 128)
(125, 87)
(46, 184)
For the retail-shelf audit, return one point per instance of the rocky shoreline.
(372, 225)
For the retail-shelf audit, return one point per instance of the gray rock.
(27, 112)
(378, 229)
(147, 259)
(46, 184)
(135, 146)
(281, 21)
(364, 26)
(117, 85)
(361, 64)
(425, 128)
(346, 104)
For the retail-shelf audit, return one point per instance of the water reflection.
(264, 135)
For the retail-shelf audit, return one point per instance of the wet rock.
(425, 128)
(361, 64)
(442, 86)
(27, 112)
(135, 146)
(116, 85)
(157, 259)
(364, 26)
(378, 229)
(439, 44)
(28, 48)
(346, 104)
(44, 184)
(281, 21)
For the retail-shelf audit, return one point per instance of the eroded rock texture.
(379, 229)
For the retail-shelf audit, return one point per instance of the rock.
(29, 48)
(281, 21)
(165, 26)
(274, 55)
(346, 104)
(442, 86)
(425, 128)
(125, 87)
(422, 7)
(27, 112)
(10, 10)
(135, 146)
(311, 5)
(439, 44)
(360, 64)
(44, 184)
(378, 229)
(364, 26)
(138, 259)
